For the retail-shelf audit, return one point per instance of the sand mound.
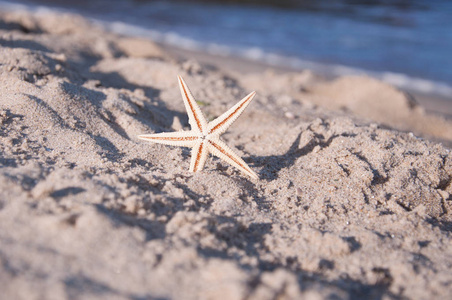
(359, 96)
(344, 208)
(378, 101)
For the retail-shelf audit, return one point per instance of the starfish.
(204, 137)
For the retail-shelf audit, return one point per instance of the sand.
(353, 200)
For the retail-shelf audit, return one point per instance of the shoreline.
(432, 103)
(402, 77)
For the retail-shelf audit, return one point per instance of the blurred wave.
(405, 43)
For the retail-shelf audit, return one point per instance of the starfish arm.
(178, 138)
(222, 123)
(222, 151)
(195, 117)
(199, 155)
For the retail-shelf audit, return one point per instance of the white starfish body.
(204, 138)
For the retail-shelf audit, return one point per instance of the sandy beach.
(352, 201)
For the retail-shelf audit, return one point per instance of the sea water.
(405, 43)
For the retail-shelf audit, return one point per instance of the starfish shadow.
(273, 164)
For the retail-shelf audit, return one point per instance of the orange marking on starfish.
(228, 155)
(198, 122)
(231, 115)
(195, 168)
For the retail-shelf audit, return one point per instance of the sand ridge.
(346, 206)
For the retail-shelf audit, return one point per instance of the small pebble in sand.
(289, 115)
(299, 192)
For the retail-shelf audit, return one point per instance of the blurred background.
(405, 43)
